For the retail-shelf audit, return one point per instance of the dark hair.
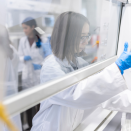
(30, 22)
(66, 34)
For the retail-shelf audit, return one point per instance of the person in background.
(11, 71)
(31, 58)
(65, 110)
(29, 54)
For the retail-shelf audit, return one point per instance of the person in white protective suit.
(64, 111)
(11, 72)
(30, 54)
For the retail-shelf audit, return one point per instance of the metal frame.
(26, 99)
(119, 28)
(107, 120)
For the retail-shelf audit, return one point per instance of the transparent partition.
(53, 38)
(42, 40)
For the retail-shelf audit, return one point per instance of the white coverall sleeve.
(120, 102)
(93, 90)
(20, 51)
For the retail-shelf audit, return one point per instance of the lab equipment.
(37, 66)
(38, 31)
(96, 44)
(27, 58)
(124, 61)
(48, 20)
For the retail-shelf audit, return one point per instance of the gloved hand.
(37, 66)
(46, 49)
(124, 61)
(27, 58)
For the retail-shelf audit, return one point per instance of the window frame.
(25, 99)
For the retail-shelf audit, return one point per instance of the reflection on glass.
(75, 41)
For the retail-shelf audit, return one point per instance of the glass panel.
(46, 39)
(76, 39)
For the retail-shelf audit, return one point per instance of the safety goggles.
(83, 38)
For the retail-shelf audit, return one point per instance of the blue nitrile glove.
(27, 58)
(38, 43)
(124, 61)
(46, 49)
(37, 66)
